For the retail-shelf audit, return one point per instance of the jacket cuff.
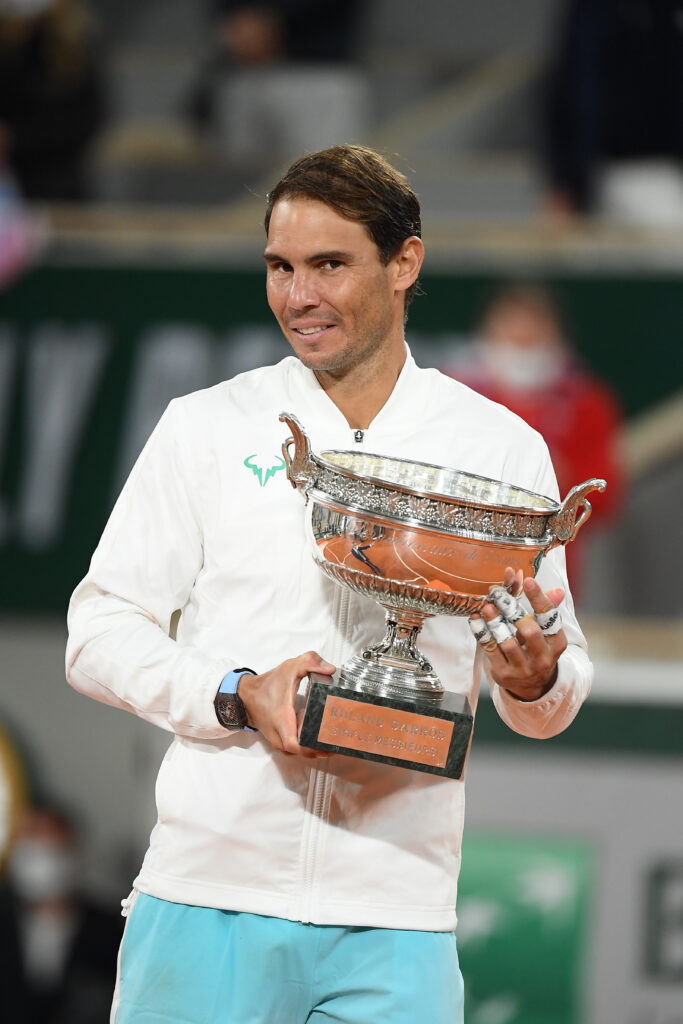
(551, 713)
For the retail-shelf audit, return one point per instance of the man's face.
(334, 300)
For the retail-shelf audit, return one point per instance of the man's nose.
(303, 293)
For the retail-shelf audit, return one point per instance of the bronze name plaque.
(373, 729)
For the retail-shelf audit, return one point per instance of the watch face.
(230, 711)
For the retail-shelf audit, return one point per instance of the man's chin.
(322, 361)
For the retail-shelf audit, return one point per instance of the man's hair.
(362, 186)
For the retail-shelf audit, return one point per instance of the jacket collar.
(320, 416)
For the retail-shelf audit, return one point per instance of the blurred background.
(545, 141)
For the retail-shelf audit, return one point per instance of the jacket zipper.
(320, 785)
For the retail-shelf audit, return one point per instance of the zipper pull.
(358, 436)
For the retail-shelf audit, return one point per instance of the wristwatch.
(230, 710)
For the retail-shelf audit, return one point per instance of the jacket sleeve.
(119, 650)
(555, 710)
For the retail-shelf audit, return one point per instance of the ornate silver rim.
(546, 522)
(446, 524)
(368, 497)
(542, 506)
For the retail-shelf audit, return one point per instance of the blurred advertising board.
(91, 355)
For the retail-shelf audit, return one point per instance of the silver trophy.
(420, 540)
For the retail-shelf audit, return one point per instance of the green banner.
(90, 356)
(522, 930)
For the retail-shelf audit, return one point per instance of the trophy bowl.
(420, 540)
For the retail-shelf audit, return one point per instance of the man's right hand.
(269, 701)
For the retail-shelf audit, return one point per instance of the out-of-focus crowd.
(609, 101)
(57, 946)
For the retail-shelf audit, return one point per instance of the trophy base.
(427, 736)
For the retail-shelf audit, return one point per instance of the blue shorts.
(195, 965)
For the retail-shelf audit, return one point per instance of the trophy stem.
(395, 667)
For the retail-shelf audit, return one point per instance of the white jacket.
(208, 523)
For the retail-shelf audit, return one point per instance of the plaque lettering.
(411, 737)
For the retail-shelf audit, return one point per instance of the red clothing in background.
(580, 420)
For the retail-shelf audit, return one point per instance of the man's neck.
(360, 393)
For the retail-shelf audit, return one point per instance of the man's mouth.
(308, 332)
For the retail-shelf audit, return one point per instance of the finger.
(507, 650)
(303, 666)
(307, 751)
(519, 583)
(501, 656)
(545, 629)
(538, 599)
(288, 735)
(312, 662)
(508, 606)
(480, 631)
(513, 581)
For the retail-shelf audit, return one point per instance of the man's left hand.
(526, 664)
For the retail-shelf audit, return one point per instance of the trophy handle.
(300, 466)
(566, 523)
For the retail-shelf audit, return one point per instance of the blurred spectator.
(522, 359)
(613, 112)
(23, 232)
(64, 948)
(294, 30)
(51, 95)
(13, 791)
(282, 79)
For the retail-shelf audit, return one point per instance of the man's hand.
(269, 701)
(526, 663)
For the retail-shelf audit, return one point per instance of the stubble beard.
(360, 352)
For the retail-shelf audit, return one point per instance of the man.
(281, 887)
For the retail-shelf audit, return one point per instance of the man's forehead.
(307, 223)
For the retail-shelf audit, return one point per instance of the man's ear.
(408, 262)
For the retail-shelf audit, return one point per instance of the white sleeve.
(555, 710)
(119, 650)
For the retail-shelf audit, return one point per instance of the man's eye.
(332, 264)
(284, 268)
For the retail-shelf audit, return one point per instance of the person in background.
(23, 231)
(13, 793)
(523, 360)
(63, 946)
(612, 113)
(52, 101)
(295, 30)
(282, 76)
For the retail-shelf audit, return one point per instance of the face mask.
(523, 369)
(42, 871)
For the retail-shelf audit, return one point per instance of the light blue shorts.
(195, 965)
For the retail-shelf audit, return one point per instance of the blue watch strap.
(231, 679)
(230, 682)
